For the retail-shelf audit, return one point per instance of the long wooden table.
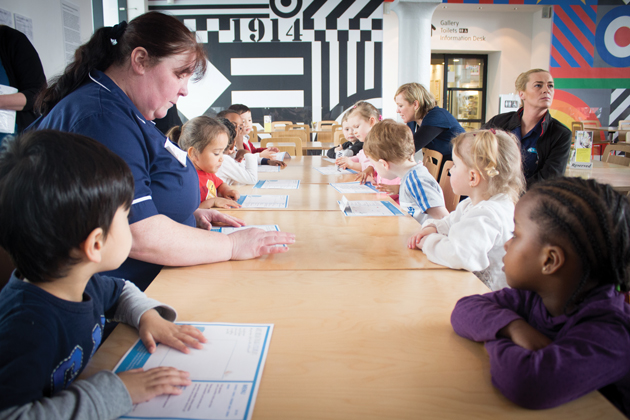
(618, 176)
(362, 324)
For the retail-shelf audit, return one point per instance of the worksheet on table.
(264, 201)
(268, 168)
(225, 373)
(282, 184)
(354, 187)
(333, 170)
(368, 208)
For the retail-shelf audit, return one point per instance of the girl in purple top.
(563, 329)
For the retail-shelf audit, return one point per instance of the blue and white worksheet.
(354, 187)
(264, 201)
(268, 168)
(368, 208)
(284, 184)
(225, 374)
(333, 170)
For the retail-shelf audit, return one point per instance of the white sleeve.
(232, 171)
(468, 242)
(443, 225)
(99, 397)
(132, 304)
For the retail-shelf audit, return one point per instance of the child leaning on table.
(64, 203)
(352, 146)
(362, 117)
(487, 168)
(563, 329)
(205, 139)
(389, 145)
(231, 171)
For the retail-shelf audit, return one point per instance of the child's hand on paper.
(267, 154)
(145, 385)
(366, 175)
(226, 191)
(225, 203)
(273, 162)
(155, 329)
(389, 189)
(417, 240)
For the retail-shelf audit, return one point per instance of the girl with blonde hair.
(486, 169)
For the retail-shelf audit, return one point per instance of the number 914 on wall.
(264, 30)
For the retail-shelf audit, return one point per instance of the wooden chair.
(624, 125)
(324, 125)
(576, 126)
(280, 125)
(293, 150)
(338, 138)
(6, 267)
(610, 156)
(304, 137)
(451, 199)
(432, 161)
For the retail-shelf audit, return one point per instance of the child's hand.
(230, 193)
(240, 155)
(145, 385)
(338, 148)
(273, 149)
(389, 189)
(366, 175)
(154, 328)
(267, 154)
(342, 162)
(524, 335)
(225, 203)
(417, 240)
(273, 162)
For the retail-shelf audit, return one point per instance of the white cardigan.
(472, 238)
(244, 172)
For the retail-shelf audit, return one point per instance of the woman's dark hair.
(596, 220)
(55, 189)
(161, 35)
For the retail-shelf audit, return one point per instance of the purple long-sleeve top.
(590, 349)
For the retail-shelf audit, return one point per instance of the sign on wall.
(297, 60)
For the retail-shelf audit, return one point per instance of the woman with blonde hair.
(545, 142)
(432, 127)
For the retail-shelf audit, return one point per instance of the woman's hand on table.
(252, 243)
(206, 217)
(273, 162)
(389, 189)
(366, 175)
(417, 240)
(154, 329)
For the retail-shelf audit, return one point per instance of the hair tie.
(493, 131)
(380, 118)
(117, 31)
(492, 172)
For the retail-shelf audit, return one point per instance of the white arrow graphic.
(202, 94)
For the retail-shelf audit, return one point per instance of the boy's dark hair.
(55, 189)
(596, 220)
(240, 108)
(226, 112)
(231, 132)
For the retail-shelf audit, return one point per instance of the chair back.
(301, 127)
(6, 267)
(253, 135)
(594, 123)
(338, 138)
(432, 161)
(610, 155)
(576, 126)
(304, 137)
(280, 125)
(624, 124)
(451, 200)
(281, 142)
(325, 125)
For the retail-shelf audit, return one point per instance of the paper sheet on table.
(354, 187)
(7, 117)
(264, 201)
(332, 170)
(268, 168)
(368, 208)
(329, 160)
(225, 374)
(227, 230)
(281, 156)
(283, 184)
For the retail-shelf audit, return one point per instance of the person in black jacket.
(23, 70)
(545, 141)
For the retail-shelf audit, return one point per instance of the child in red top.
(205, 139)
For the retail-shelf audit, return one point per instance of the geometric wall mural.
(298, 60)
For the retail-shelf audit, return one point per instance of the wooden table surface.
(352, 344)
(311, 196)
(362, 324)
(618, 176)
